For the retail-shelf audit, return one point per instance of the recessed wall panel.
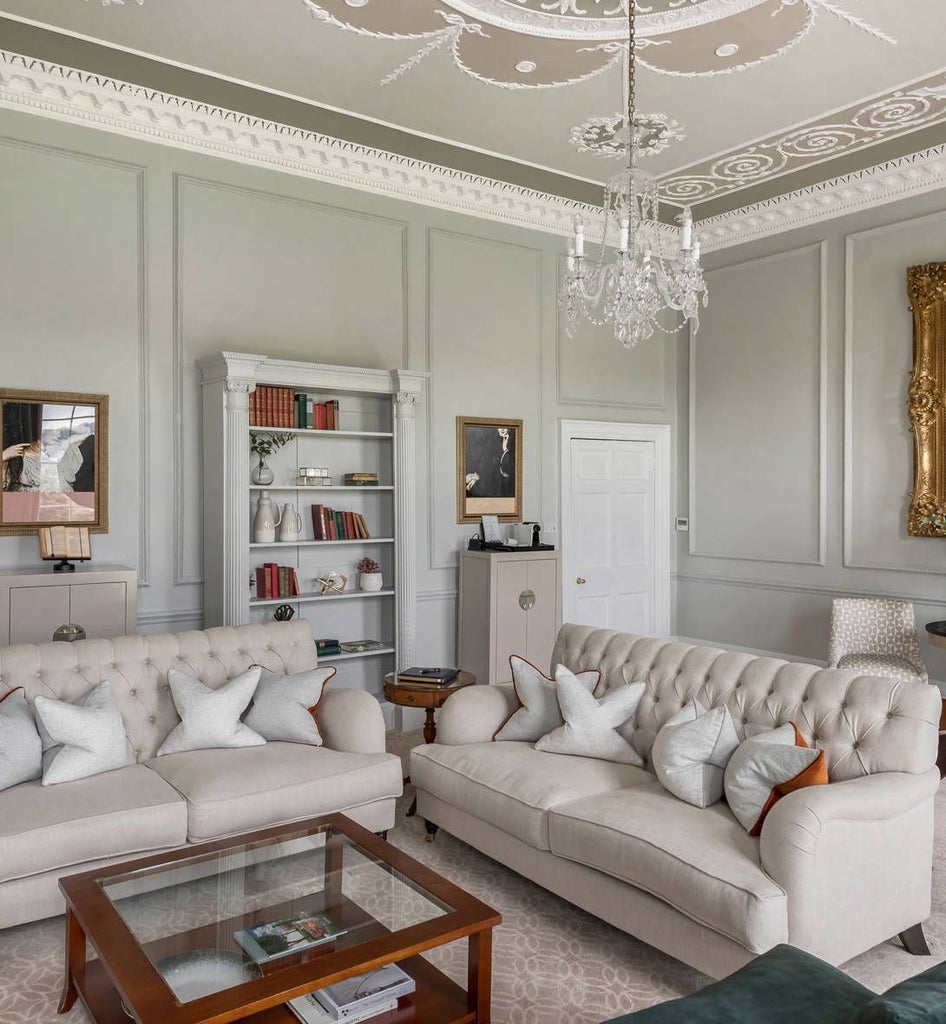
(756, 412)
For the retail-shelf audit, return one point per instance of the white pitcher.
(264, 522)
(290, 525)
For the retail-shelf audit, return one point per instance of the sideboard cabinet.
(35, 601)
(510, 603)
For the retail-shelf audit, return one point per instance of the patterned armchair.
(876, 637)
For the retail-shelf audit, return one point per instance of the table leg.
(75, 958)
(430, 729)
(334, 860)
(480, 975)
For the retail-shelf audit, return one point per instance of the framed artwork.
(489, 469)
(55, 460)
(926, 285)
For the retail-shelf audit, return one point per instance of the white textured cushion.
(21, 749)
(691, 752)
(81, 739)
(284, 705)
(211, 718)
(539, 713)
(591, 725)
(759, 767)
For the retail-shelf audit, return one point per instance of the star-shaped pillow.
(538, 712)
(284, 706)
(591, 724)
(211, 718)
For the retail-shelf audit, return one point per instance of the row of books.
(335, 524)
(328, 648)
(283, 407)
(274, 580)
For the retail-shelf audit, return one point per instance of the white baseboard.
(773, 654)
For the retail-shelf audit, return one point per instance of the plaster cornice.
(79, 97)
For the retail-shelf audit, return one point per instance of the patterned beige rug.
(552, 963)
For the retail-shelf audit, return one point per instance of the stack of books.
(326, 648)
(418, 676)
(274, 581)
(355, 999)
(313, 415)
(271, 407)
(334, 524)
(361, 479)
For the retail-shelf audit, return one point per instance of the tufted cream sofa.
(160, 803)
(836, 870)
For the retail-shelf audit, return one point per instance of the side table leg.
(480, 975)
(430, 729)
(75, 958)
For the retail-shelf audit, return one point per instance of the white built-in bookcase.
(376, 434)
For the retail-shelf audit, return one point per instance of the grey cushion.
(691, 752)
(591, 725)
(21, 749)
(82, 738)
(114, 814)
(211, 718)
(540, 712)
(231, 791)
(284, 705)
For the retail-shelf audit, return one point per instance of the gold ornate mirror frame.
(926, 286)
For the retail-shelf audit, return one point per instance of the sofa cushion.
(234, 790)
(284, 706)
(699, 860)
(211, 717)
(691, 751)
(113, 814)
(21, 749)
(512, 785)
(785, 986)
(538, 712)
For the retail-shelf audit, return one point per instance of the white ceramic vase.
(264, 522)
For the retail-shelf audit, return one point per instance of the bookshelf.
(376, 433)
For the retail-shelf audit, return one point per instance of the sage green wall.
(795, 452)
(124, 262)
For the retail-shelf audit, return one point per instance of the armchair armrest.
(473, 714)
(351, 721)
(854, 858)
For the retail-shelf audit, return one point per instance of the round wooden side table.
(410, 695)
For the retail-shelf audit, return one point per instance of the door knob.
(580, 579)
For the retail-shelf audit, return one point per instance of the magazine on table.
(288, 935)
(349, 997)
(309, 1010)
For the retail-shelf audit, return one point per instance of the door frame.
(660, 434)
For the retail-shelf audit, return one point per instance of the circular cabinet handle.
(580, 580)
(527, 600)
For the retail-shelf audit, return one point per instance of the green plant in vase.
(369, 574)
(262, 446)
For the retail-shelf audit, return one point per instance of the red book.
(252, 408)
(274, 579)
(318, 527)
(288, 404)
(330, 533)
(260, 582)
(334, 414)
(320, 415)
(293, 583)
(267, 420)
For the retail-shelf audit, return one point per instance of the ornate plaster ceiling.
(734, 95)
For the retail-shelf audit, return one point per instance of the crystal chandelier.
(648, 274)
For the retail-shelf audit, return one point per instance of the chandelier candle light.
(647, 276)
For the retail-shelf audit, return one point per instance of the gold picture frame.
(54, 468)
(926, 286)
(489, 469)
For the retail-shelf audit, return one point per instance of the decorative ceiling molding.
(534, 44)
(78, 97)
(906, 109)
(886, 183)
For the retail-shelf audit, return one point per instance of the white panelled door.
(610, 569)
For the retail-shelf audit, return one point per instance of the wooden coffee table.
(137, 914)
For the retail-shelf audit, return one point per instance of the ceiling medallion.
(607, 136)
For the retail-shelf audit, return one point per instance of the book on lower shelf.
(428, 676)
(276, 581)
(309, 1010)
(287, 935)
(349, 999)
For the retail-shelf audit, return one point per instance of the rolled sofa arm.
(351, 721)
(854, 858)
(473, 714)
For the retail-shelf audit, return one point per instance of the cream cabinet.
(510, 603)
(34, 602)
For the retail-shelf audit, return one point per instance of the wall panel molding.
(851, 559)
(819, 556)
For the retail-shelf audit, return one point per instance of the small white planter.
(370, 580)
